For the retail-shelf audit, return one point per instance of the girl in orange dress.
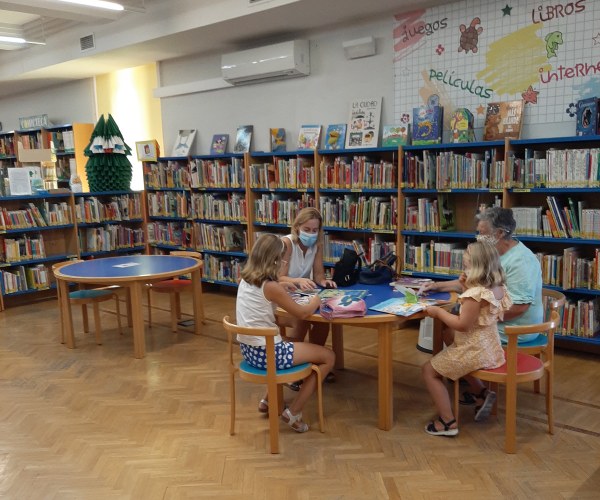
(476, 342)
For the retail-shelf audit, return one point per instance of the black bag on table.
(346, 270)
(381, 271)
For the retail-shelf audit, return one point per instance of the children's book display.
(335, 136)
(588, 117)
(503, 120)
(308, 137)
(363, 123)
(277, 139)
(461, 126)
(243, 138)
(183, 142)
(395, 135)
(428, 123)
(218, 146)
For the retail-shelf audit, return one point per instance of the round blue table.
(133, 272)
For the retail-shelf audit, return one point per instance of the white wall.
(72, 102)
(322, 98)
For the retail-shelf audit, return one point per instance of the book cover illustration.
(503, 120)
(243, 138)
(587, 116)
(461, 126)
(428, 123)
(401, 307)
(410, 282)
(328, 293)
(308, 137)
(277, 139)
(363, 123)
(218, 146)
(395, 135)
(335, 137)
(183, 142)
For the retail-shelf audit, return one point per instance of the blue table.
(384, 324)
(133, 272)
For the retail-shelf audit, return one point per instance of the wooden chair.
(174, 287)
(520, 368)
(84, 297)
(271, 377)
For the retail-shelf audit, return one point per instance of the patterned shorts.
(257, 355)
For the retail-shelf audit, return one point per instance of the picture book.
(363, 123)
(588, 117)
(502, 120)
(183, 142)
(410, 282)
(335, 136)
(401, 307)
(218, 146)
(461, 126)
(428, 123)
(308, 137)
(277, 139)
(328, 293)
(395, 135)
(243, 138)
(447, 212)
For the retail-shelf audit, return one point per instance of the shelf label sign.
(36, 121)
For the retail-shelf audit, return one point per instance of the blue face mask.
(307, 239)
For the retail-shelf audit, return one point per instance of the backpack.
(381, 271)
(346, 270)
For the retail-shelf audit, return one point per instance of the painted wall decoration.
(469, 53)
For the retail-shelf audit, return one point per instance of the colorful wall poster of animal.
(363, 123)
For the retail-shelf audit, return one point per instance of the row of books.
(222, 268)
(358, 172)
(275, 209)
(292, 173)
(170, 174)
(168, 204)
(23, 278)
(433, 257)
(124, 207)
(220, 238)
(429, 214)
(7, 145)
(63, 140)
(170, 233)
(31, 140)
(52, 214)
(373, 248)
(580, 318)
(227, 206)
(112, 237)
(23, 248)
(360, 212)
(222, 173)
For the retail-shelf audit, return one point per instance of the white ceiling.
(155, 30)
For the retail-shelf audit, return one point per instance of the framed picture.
(147, 150)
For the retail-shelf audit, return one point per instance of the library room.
(244, 243)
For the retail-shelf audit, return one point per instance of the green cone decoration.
(108, 168)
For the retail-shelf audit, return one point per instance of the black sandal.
(430, 429)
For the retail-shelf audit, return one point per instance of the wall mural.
(470, 53)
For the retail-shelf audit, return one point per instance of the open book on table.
(400, 307)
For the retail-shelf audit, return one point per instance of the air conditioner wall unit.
(281, 60)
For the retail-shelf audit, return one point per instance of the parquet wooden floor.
(95, 423)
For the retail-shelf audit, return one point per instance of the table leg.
(438, 340)
(385, 379)
(65, 307)
(337, 344)
(139, 339)
(198, 306)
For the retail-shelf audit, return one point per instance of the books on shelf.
(363, 123)
(183, 142)
(218, 145)
(243, 138)
(588, 116)
(428, 123)
(395, 135)
(308, 137)
(335, 136)
(277, 136)
(503, 120)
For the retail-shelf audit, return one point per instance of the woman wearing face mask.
(302, 265)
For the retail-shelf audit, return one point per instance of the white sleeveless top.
(301, 265)
(254, 310)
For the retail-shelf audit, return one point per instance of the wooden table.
(384, 324)
(133, 272)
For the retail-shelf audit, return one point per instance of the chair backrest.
(189, 253)
(269, 334)
(547, 328)
(553, 301)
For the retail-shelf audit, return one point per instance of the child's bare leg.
(439, 394)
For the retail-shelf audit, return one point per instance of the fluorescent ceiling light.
(101, 4)
(17, 40)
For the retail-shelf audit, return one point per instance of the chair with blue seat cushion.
(274, 379)
(92, 296)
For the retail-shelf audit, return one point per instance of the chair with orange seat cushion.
(519, 368)
(89, 296)
(174, 287)
(272, 377)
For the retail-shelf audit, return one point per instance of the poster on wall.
(473, 52)
(363, 123)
